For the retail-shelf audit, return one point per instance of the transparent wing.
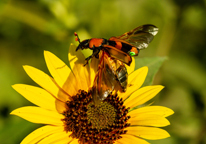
(105, 80)
(139, 37)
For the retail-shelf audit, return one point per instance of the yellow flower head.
(65, 105)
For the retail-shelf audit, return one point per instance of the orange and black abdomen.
(125, 47)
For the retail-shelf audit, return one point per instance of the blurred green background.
(27, 27)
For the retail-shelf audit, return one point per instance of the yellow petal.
(71, 86)
(130, 68)
(150, 133)
(39, 115)
(81, 72)
(41, 133)
(143, 95)
(75, 141)
(56, 138)
(93, 69)
(63, 141)
(60, 106)
(58, 69)
(61, 73)
(75, 56)
(45, 82)
(135, 81)
(82, 76)
(130, 139)
(154, 110)
(149, 120)
(138, 76)
(37, 96)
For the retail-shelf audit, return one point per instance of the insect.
(111, 75)
(113, 53)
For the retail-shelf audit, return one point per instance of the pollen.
(101, 116)
(104, 123)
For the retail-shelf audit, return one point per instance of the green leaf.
(153, 64)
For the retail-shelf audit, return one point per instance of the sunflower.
(65, 105)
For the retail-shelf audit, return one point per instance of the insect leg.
(95, 53)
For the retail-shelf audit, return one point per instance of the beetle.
(121, 47)
(113, 53)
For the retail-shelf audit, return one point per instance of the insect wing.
(120, 72)
(140, 37)
(105, 80)
(118, 54)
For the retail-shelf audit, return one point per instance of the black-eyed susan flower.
(64, 104)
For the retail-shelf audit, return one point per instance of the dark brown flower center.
(101, 124)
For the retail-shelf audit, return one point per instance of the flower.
(65, 105)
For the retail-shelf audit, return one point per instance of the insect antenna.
(77, 37)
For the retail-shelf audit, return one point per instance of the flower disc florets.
(92, 124)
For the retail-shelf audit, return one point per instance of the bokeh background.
(27, 27)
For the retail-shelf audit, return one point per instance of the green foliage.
(153, 64)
